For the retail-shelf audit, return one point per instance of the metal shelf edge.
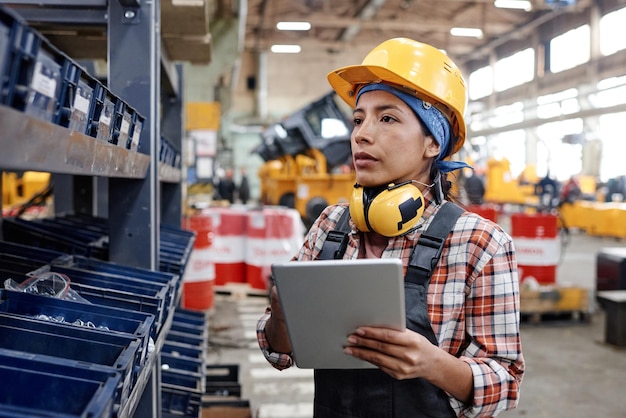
(32, 144)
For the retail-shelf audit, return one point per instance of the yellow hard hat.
(415, 67)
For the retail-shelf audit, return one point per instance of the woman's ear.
(431, 147)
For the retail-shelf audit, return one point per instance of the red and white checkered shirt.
(473, 302)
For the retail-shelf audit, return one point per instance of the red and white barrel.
(227, 251)
(537, 246)
(273, 235)
(199, 277)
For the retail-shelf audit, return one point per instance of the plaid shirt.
(473, 301)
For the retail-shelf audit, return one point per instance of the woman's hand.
(407, 355)
(400, 354)
(276, 328)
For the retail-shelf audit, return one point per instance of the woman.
(461, 352)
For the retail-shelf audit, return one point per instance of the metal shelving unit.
(134, 189)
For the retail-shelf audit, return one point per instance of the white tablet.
(324, 301)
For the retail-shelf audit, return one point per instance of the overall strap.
(337, 240)
(427, 251)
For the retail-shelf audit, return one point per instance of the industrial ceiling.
(337, 25)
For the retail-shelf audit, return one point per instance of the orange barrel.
(227, 251)
(537, 246)
(199, 277)
(274, 235)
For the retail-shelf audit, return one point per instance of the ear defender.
(389, 211)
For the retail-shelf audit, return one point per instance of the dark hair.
(446, 183)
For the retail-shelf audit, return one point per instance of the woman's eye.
(387, 119)
(356, 121)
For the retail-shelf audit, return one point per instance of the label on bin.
(43, 80)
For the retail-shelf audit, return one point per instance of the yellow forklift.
(308, 161)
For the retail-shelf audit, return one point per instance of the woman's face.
(388, 142)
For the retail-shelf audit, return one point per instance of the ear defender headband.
(390, 211)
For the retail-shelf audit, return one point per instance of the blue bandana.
(434, 120)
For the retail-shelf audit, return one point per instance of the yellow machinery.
(501, 187)
(17, 190)
(307, 159)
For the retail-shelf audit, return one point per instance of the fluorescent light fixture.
(285, 49)
(189, 3)
(293, 26)
(514, 4)
(467, 32)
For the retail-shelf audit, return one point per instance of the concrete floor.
(571, 371)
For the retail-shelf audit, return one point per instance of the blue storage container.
(122, 123)
(22, 55)
(101, 120)
(222, 380)
(55, 388)
(161, 292)
(46, 236)
(108, 319)
(191, 317)
(181, 326)
(113, 352)
(183, 379)
(134, 137)
(181, 349)
(6, 30)
(76, 97)
(168, 279)
(29, 252)
(178, 402)
(17, 267)
(179, 362)
(186, 338)
(124, 300)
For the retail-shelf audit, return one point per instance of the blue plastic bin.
(182, 349)
(171, 280)
(186, 338)
(54, 388)
(102, 117)
(178, 402)
(160, 292)
(76, 98)
(112, 352)
(29, 252)
(115, 320)
(191, 317)
(134, 137)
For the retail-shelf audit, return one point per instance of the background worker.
(460, 354)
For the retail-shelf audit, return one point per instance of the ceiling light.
(514, 4)
(188, 3)
(285, 49)
(468, 32)
(293, 26)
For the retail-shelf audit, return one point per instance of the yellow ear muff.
(358, 208)
(392, 212)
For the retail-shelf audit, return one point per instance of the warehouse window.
(613, 145)
(557, 104)
(611, 92)
(564, 159)
(613, 32)
(481, 83)
(514, 70)
(570, 49)
(507, 115)
(512, 146)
